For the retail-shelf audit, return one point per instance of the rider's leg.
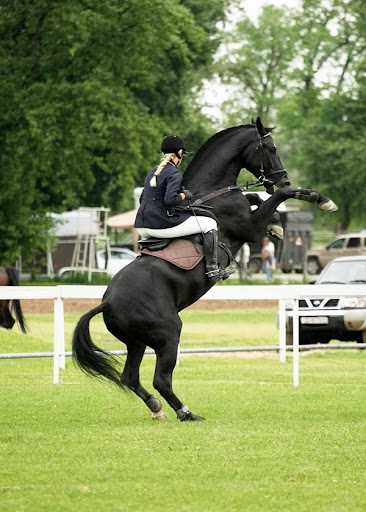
(193, 225)
(210, 251)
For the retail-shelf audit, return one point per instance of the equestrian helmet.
(172, 144)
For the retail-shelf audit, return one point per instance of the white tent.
(75, 223)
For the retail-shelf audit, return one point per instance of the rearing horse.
(142, 303)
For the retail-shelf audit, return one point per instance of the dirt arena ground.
(46, 306)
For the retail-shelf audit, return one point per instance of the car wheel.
(313, 266)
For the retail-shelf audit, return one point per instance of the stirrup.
(214, 275)
(226, 272)
(217, 274)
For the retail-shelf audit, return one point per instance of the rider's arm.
(173, 193)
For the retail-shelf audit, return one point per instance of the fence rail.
(281, 293)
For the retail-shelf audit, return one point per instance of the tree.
(90, 89)
(324, 116)
(255, 63)
(304, 70)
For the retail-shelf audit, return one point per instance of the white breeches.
(191, 226)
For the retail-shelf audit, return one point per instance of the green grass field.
(200, 329)
(265, 446)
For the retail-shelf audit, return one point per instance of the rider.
(158, 216)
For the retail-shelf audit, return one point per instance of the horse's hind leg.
(166, 358)
(131, 378)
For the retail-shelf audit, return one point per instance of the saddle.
(184, 253)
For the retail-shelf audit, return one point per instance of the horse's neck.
(213, 178)
(217, 164)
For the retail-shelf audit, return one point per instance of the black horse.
(9, 277)
(142, 303)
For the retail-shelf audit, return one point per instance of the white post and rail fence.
(281, 293)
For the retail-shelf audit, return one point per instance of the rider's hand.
(188, 196)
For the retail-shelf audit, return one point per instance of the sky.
(252, 7)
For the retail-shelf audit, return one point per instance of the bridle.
(264, 179)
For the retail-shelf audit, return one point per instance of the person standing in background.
(268, 257)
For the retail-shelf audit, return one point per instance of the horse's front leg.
(274, 227)
(264, 214)
(303, 194)
(312, 196)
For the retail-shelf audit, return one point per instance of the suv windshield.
(344, 272)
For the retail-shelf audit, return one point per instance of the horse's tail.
(91, 359)
(13, 277)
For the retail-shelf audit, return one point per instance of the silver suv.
(352, 244)
(341, 318)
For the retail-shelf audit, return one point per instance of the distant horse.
(142, 303)
(9, 277)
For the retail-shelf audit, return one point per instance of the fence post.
(295, 345)
(58, 339)
(282, 329)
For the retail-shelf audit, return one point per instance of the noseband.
(265, 177)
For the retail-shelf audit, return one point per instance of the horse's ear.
(260, 126)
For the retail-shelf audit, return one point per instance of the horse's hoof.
(186, 415)
(275, 231)
(159, 416)
(194, 417)
(154, 404)
(328, 206)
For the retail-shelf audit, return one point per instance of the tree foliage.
(90, 88)
(255, 63)
(305, 70)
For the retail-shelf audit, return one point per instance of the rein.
(262, 180)
(217, 193)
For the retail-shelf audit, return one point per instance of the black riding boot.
(210, 249)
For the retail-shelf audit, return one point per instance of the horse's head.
(260, 157)
(220, 159)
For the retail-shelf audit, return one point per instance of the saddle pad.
(181, 253)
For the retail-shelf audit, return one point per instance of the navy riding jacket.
(157, 204)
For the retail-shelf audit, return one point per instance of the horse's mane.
(213, 140)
